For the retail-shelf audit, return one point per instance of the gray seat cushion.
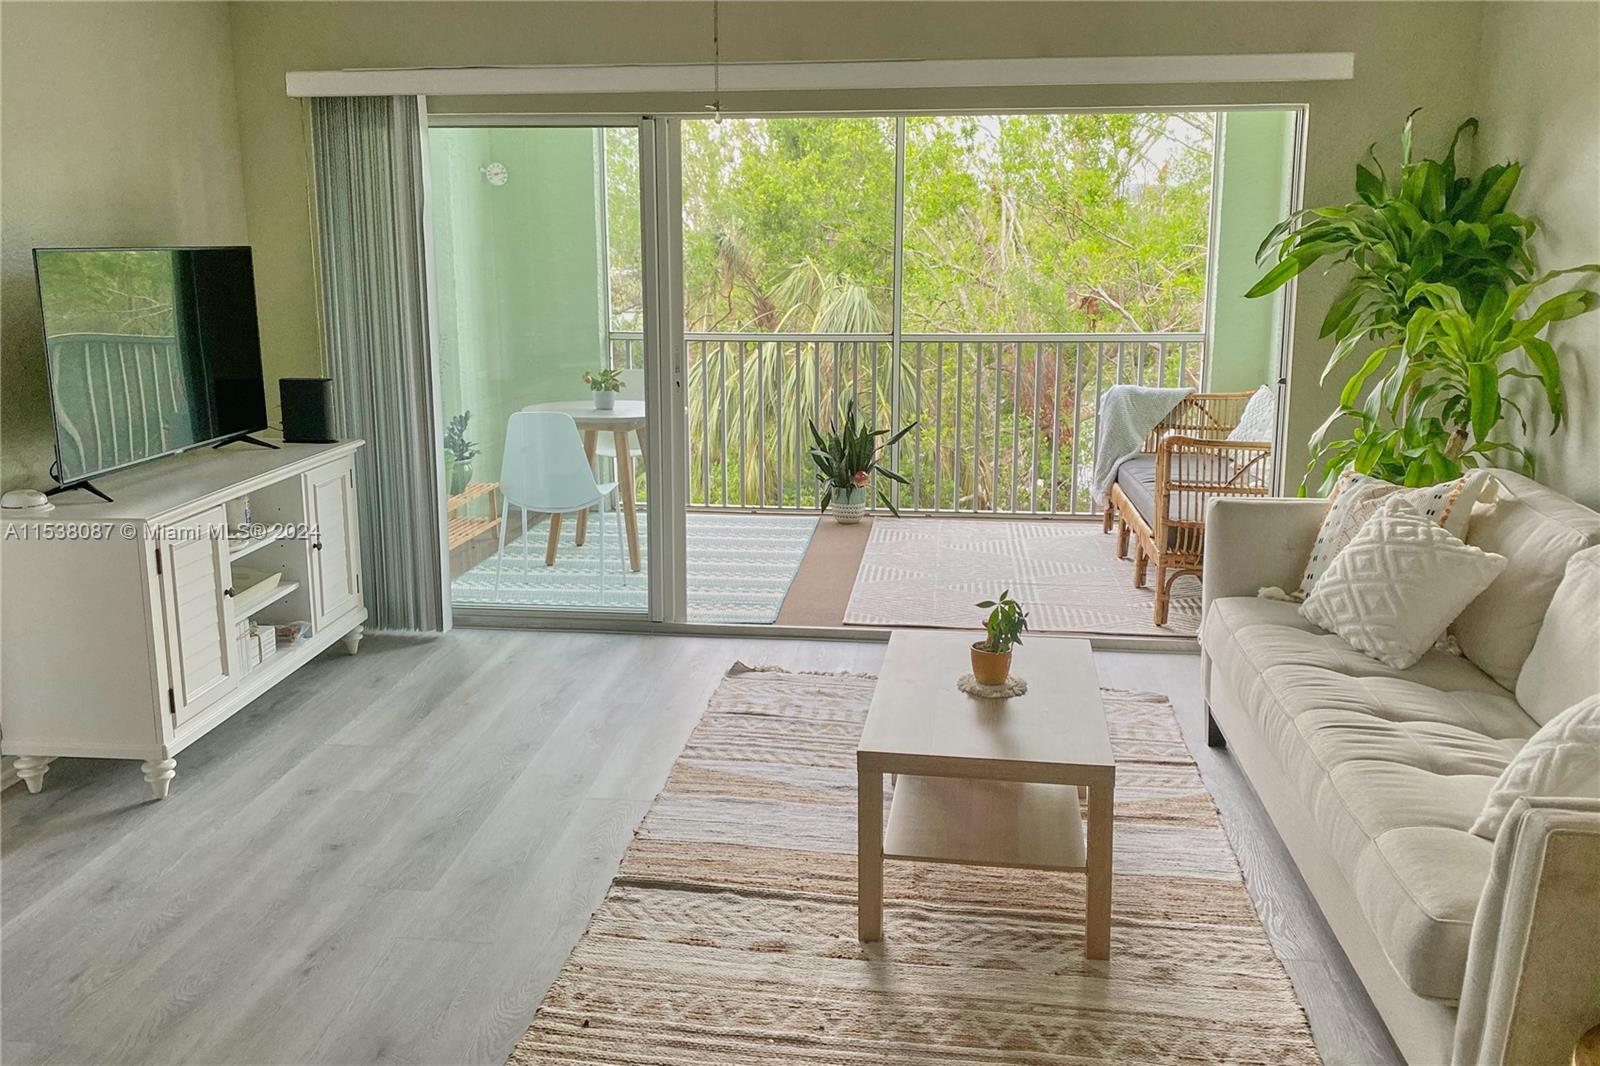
(1137, 477)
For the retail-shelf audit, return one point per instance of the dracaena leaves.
(1440, 271)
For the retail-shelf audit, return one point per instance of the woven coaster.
(1014, 686)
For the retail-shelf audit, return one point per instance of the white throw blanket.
(1128, 413)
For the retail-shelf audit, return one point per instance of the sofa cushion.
(1537, 530)
(1398, 584)
(1562, 759)
(1392, 765)
(1564, 665)
(1357, 497)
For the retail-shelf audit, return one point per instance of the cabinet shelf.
(239, 547)
(243, 608)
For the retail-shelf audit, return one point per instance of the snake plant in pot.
(846, 457)
(1438, 322)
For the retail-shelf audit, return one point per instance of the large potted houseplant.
(1438, 318)
(604, 384)
(458, 453)
(846, 457)
(1003, 628)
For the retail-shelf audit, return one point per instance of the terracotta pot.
(990, 667)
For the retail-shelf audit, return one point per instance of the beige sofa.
(1474, 951)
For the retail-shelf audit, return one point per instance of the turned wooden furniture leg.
(1122, 540)
(591, 437)
(555, 539)
(1163, 593)
(158, 773)
(352, 639)
(31, 768)
(630, 513)
(1141, 564)
(1097, 914)
(1110, 513)
(869, 855)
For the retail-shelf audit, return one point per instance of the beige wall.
(1539, 100)
(157, 157)
(1407, 55)
(117, 126)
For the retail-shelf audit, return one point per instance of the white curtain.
(368, 174)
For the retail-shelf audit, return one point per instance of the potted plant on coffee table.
(605, 383)
(991, 656)
(846, 457)
(458, 453)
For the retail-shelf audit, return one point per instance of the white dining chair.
(545, 470)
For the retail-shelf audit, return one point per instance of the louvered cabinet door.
(336, 551)
(197, 610)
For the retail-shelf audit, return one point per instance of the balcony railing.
(1005, 422)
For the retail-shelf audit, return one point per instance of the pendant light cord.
(715, 107)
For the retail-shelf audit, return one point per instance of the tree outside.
(1014, 224)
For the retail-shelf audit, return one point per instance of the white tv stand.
(118, 620)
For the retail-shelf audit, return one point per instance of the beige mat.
(728, 936)
(930, 572)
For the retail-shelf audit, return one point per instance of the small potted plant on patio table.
(991, 656)
(605, 384)
(458, 454)
(846, 458)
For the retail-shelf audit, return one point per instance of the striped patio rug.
(930, 571)
(728, 935)
(740, 567)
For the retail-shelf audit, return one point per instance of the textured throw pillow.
(1561, 759)
(1497, 630)
(1259, 422)
(1398, 583)
(1357, 497)
(1564, 665)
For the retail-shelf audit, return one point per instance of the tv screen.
(150, 351)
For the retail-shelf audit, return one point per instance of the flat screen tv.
(150, 351)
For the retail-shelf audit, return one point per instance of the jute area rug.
(729, 934)
(930, 571)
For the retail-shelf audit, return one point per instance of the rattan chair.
(1159, 498)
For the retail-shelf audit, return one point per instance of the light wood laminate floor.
(388, 858)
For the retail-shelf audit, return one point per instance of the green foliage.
(115, 292)
(1004, 624)
(1440, 267)
(848, 454)
(606, 379)
(455, 438)
(1013, 224)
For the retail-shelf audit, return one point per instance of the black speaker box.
(307, 410)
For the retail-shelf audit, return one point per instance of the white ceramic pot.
(848, 505)
(604, 400)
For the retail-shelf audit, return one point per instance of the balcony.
(1005, 422)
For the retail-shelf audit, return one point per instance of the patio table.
(628, 416)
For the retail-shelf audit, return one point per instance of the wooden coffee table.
(987, 782)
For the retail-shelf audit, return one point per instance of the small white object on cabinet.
(119, 626)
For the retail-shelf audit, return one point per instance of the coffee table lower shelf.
(985, 823)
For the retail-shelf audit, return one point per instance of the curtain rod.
(830, 75)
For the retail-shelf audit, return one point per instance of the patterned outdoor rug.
(740, 568)
(729, 934)
(930, 571)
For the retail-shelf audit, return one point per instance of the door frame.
(660, 227)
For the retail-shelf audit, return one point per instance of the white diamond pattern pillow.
(1259, 421)
(1398, 584)
(1561, 759)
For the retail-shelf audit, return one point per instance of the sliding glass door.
(540, 268)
